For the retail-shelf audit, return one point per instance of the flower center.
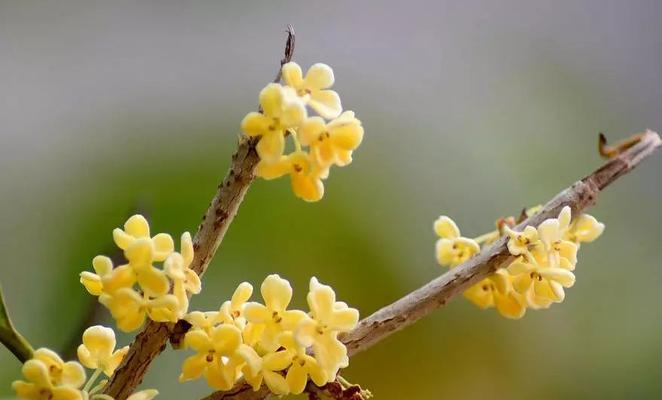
(535, 276)
(210, 355)
(45, 394)
(276, 317)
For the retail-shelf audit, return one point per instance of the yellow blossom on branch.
(98, 350)
(313, 88)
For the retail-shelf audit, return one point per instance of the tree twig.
(439, 291)
(10, 337)
(151, 341)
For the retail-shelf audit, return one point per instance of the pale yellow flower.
(185, 280)
(137, 227)
(327, 318)
(305, 175)
(281, 110)
(98, 350)
(219, 356)
(521, 242)
(314, 87)
(43, 380)
(129, 308)
(68, 373)
(585, 228)
(103, 266)
(152, 281)
(273, 315)
(452, 249)
(333, 142)
(232, 311)
(496, 291)
(541, 285)
(205, 321)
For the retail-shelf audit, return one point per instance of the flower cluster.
(139, 289)
(546, 256)
(330, 138)
(47, 376)
(268, 343)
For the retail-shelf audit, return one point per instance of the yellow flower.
(103, 266)
(496, 291)
(219, 356)
(269, 373)
(273, 315)
(205, 321)
(281, 110)
(147, 394)
(177, 267)
(334, 142)
(540, 285)
(129, 308)
(60, 373)
(305, 175)
(41, 382)
(98, 350)
(520, 242)
(137, 227)
(327, 318)
(452, 249)
(584, 228)
(313, 88)
(232, 311)
(153, 281)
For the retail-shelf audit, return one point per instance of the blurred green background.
(472, 109)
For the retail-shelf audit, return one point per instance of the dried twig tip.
(607, 151)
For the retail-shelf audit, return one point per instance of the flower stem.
(92, 379)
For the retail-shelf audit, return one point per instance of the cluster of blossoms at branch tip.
(267, 343)
(48, 377)
(138, 289)
(319, 141)
(546, 257)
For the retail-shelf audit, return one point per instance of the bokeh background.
(472, 109)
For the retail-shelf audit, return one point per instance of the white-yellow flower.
(43, 380)
(185, 280)
(333, 142)
(452, 249)
(137, 227)
(103, 266)
(219, 356)
(328, 317)
(273, 315)
(281, 110)
(232, 311)
(314, 87)
(585, 228)
(129, 308)
(496, 291)
(98, 350)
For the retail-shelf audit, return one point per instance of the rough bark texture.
(439, 291)
(221, 211)
(152, 340)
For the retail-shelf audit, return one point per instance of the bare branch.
(149, 343)
(439, 291)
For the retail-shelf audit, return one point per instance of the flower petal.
(137, 226)
(163, 246)
(270, 147)
(319, 76)
(276, 292)
(326, 103)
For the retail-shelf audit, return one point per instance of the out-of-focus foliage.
(472, 109)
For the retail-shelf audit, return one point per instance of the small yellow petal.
(446, 228)
(137, 226)
(255, 124)
(163, 246)
(270, 147)
(326, 103)
(319, 76)
(292, 74)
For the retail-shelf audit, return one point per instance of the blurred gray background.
(472, 109)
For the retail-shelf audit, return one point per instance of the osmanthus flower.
(273, 316)
(137, 227)
(153, 281)
(177, 268)
(287, 370)
(129, 309)
(219, 356)
(205, 321)
(98, 350)
(452, 249)
(328, 317)
(585, 228)
(147, 394)
(103, 266)
(232, 311)
(305, 176)
(496, 291)
(314, 87)
(282, 110)
(540, 285)
(333, 142)
(44, 382)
